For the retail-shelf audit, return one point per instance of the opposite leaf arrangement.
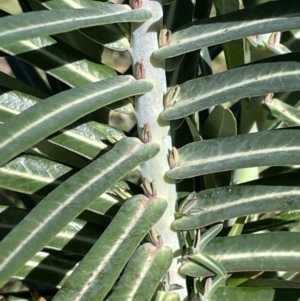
(201, 202)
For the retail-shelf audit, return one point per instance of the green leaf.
(10, 6)
(239, 278)
(233, 50)
(39, 269)
(214, 205)
(220, 123)
(76, 4)
(209, 235)
(76, 238)
(277, 251)
(216, 283)
(58, 111)
(280, 73)
(282, 111)
(226, 6)
(59, 60)
(265, 18)
(41, 23)
(193, 129)
(56, 153)
(111, 35)
(254, 294)
(86, 139)
(277, 147)
(167, 296)
(238, 226)
(205, 62)
(14, 102)
(39, 176)
(30, 174)
(208, 262)
(67, 201)
(267, 224)
(100, 268)
(274, 283)
(172, 63)
(107, 204)
(11, 83)
(167, 2)
(141, 277)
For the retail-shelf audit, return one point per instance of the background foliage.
(70, 188)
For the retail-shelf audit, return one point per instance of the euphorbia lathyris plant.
(170, 211)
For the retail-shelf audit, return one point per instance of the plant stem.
(148, 108)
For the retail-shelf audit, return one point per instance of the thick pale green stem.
(148, 108)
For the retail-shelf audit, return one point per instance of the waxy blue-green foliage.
(70, 186)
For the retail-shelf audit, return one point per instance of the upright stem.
(148, 108)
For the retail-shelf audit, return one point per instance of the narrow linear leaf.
(239, 278)
(292, 215)
(11, 83)
(238, 226)
(145, 269)
(273, 283)
(107, 204)
(41, 23)
(100, 268)
(76, 238)
(208, 262)
(167, 2)
(209, 235)
(283, 111)
(167, 296)
(280, 73)
(265, 224)
(254, 294)
(216, 283)
(193, 129)
(56, 153)
(234, 51)
(67, 201)
(59, 60)
(86, 139)
(12, 102)
(277, 251)
(31, 174)
(205, 61)
(76, 4)
(219, 123)
(111, 35)
(54, 113)
(214, 205)
(39, 176)
(40, 268)
(268, 17)
(268, 148)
